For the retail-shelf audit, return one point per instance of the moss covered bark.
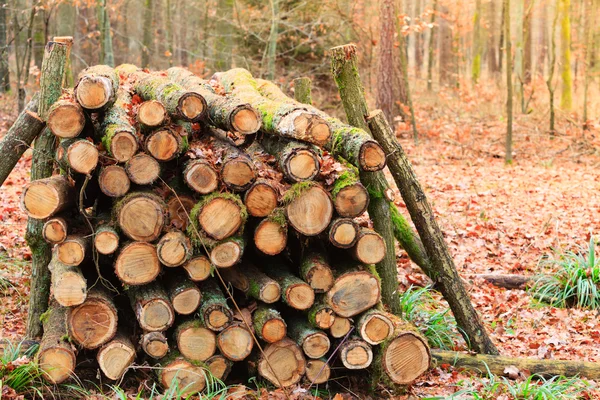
(302, 90)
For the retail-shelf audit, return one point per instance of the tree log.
(443, 271)
(174, 249)
(295, 292)
(321, 315)
(56, 356)
(317, 371)
(141, 216)
(227, 252)
(281, 119)
(219, 366)
(106, 237)
(298, 161)
(485, 364)
(198, 268)
(142, 169)
(96, 87)
(200, 176)
(152, 114)
(137, 263)
(166, 143)
(65, 117)
(69, 287)
(374, 326)
(77, 155)
(55, 230)
(261, 198)
(253, 282)
(355, 353)
(341, 326)
(214, 312)
(343, 233)
(268, 324)
(194, 341)
(235, 342)
(309, 208)
(73, 250)
(94, 322)
(43, 198)
(315, 271)
(119, 134)
(283, 363)
(370, 247)
(152, 307)
(270, 235)
(19, 137)
(314, 343)
(154, 344)
(225, 112)
(219, 215)
(355, 290)
(178, 372)
(507, 281)
(350, 197)
(114, 181)
(116, 356)
(183, 293)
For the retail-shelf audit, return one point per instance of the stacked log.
(204, 196)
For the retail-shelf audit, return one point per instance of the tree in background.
(431, 46)
(4, 71)
(550, 79)
(385, 75)
(492, 47)
(147, 41)
(477, 45)
(509, 84)
(566, 99)
(447, 45)
(591, 25)
(224, 35)
(270, 54)
(106, 46)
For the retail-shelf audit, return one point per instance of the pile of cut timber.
(193, 220)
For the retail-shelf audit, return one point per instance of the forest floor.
(495, 217)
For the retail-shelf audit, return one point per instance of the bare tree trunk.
(419, 39)
(549, 81)
(224, 35)
(509, 84)
(591, 21)
(527, 40)
(39, 37)
(271, 50)
(492, 48)
(566, 99)
(501, 41)
(447, 56)
(477, 45)
(431, 47)
(147, 42)
(4, 71)
(106, 45)
(385, 90)
(543, 42)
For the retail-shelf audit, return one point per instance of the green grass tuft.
(435, 323)
(17, 370)
(575, 281)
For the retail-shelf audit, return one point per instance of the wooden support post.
(345, 73)
(442, 269)
(51, 78)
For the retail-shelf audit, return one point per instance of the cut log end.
(141, 218)
(196, 343)
(72, 250)
(173, 249)
(163, 144)
(235, 342)
(154, 344)
(94, 92)
(340, 327)
(44, 198)
(55, 230)
(273, 330)
(192, 106)
(156, 315)
(310, 213)
(219, 366)
(226, 254)
(356, 354)
(152, 113)
(406, 358)
(137, 264)
(375, 328)
(114, 181)
(317, 371)
(201, 177)
(198, 268)
(220, 218)
(261, 199)
(187, 301)
(353, 293)
(188, 377)
(143, 169)
(66, 121)
(300, 296)
(217, 317)
(370, 247)
(70, 289)
(115, 357)
(123, 146)
(324, 318)
(270, 237)
(283, 363)
(238, 174)
(270, 292)
(245, 120)
(93, 323)
(106, 242)
(303, 165)
(316, 345)
(57, 364)
(82, 156)
(352, 200)
(320, 278)
(343, 233)
(372, 157)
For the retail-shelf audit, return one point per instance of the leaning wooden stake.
(53, 67)
(443, 271)
(344, 67)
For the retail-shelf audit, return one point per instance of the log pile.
(193, 220)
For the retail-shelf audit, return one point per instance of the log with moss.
(292, 121)
(194, 341)
(268, 324)
(94, 322)
(214, 312)
(183, 293)
(298, 161)
(154, 344)
(69, 287)
(224, 112)
(253, 282)
(316, 271)
(119, 135)
(294, 292)
(354, 144)
(321, 315)
(349, 196)
(314, 342)
(77, 156)
(151, 306)
(270, 235)
(175, 371)
(218, 215)
(57, 355)
(96, 87)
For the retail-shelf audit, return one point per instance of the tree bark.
(385, 90)
(302, 90)
(51, 79)
(431, 47)
(442, 272)
(345, 71)
(566, 99)
(509, 83)
(477, 44)
(57, 355)
(148, 33)
(4, 69)
(492, 54)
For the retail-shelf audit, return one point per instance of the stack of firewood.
(200, 223)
